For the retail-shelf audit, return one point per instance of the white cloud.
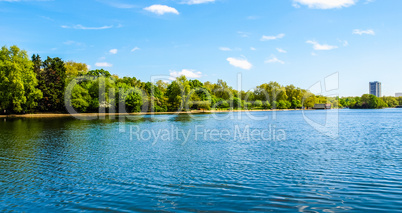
(198, 1)
(281, 50)
(80, 27)
(314, 54)
(318, 46)
(274, 59)
(89, 67)
(113, 51)
(135, 49)
(253, 48)
(267, 38)
(361, 32)
(225, 49)
(324, 4)
(161, 9)
(103, 64)
(186, 72)
(240, 63)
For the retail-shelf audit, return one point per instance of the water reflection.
(183, 118)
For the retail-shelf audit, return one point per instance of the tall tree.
(17, 81)
(52, 79)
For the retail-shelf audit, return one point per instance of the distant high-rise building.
(375, 88)
(398, 94)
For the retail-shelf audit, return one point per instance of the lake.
(231, 162)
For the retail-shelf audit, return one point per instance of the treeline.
(370, 102)
(30, 85)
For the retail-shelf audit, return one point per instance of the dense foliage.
(369, 102)
(18, 83)
(53, 85)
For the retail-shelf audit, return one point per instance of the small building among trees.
(322, 106)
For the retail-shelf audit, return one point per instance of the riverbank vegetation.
(370, 102)
(32, 85)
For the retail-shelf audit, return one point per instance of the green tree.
(355, 102)
(247, 105)
(177, 94)
(204, 105)
(222, 104)
(222, 90)
(258, 104)
(103, 93)
(295, 95)
(370, 102)
(17, 81)
(295, 103)
(74, 69)
(381, 104)
(80, 99)
(134, 100)
(266, 105)
(390, 101)
(283, 104)
(309, 100)
(373, 102)
(199, 95)
(99, 73)
(237, 104)
(162, 86)
(52, 82)
(400, 101)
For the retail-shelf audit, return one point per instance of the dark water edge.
(65, 164)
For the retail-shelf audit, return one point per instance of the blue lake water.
(181, 163)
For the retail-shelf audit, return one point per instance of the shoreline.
(60, 115)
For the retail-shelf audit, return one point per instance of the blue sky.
(295, 42)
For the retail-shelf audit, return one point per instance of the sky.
(298, 42)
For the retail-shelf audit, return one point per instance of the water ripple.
(72, 165)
